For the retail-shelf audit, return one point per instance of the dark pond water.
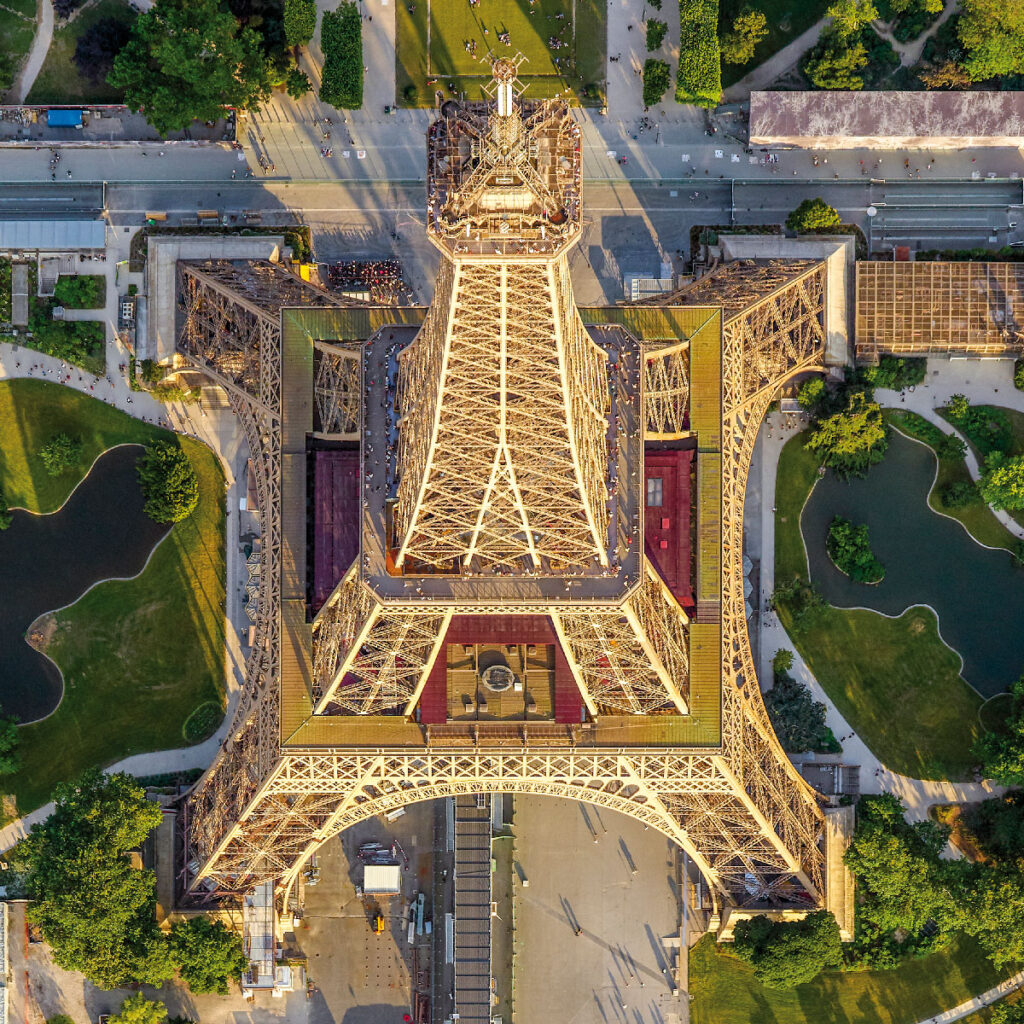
(47, 562)
(929, 559)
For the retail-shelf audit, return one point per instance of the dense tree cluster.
(894, 373)
(657, 78)
(748, 29)
(992, 34)
(187, 60)
(1002, 753)
(785, 954)
(699, 78)
(1002, 481)
(341, 39)
(299, 21)
(81, 291)
(98, 913)
(797, 718)
(169, 482)
(840, 55)
(849, 547)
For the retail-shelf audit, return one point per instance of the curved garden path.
(40, 46)
(910, 52)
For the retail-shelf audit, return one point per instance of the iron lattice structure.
(458, 519)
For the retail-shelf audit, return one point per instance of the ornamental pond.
(49, 561)
(929, 559)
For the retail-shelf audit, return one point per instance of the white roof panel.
(52, 235)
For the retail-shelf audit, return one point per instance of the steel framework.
(507, 446)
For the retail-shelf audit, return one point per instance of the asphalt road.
(29, 201)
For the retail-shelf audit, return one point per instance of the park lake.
(49, 561)
(929, 559)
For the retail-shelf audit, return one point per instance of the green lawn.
(31, 412)
(17, 30)
(138, 656)
(724, 990)
(787, 19)
(977, 518)
(449, 24)
(59, 79)
(894, 680)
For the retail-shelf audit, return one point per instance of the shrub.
(341, 38)
(850, 550)
(959, 494)
(60, 1018)
(65, 8)
(797, 718)
(168, 481)
(894, 373)
(656, 80)
(699, 78)
(655, 33)
(813, 215)
(60, 453)
(1018, 375)
(137, 1009)
(986, 427)
(202, 723)
(299, 21)
(951, 448)
(802, 600)
(81, 291)
(811, 392)
(10, 759)
(410, 94)
(5, 513)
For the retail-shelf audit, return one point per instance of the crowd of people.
(382, 278)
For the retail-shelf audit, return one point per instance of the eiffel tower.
(501, 506)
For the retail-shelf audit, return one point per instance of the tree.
(785, 954)
(98, 45)
(851, 441)
(5, 513)
(850, 16)
(813, 215)
(299, 21)
(60, 453)
(835, 63)
(992, 33)
(1002, 753)
(207, 954)
(947, 75)
(1002, 482)
(94, 909)
(699, 77)
(749, 28)
(657, 77)
(10, 759)
(958, 408)
(297, 83)
(137, 1009)
(994, 912)
(1007, 1013)
(959, 494)
(849, 547)
(893, 372)
(168, 481)
(997, 827)
(188, 59)
(341, 38)
(656, 31)
(901, 880)
(797, 718)
(811, 393)
(1018, 374)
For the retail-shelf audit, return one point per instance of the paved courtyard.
(616, 881)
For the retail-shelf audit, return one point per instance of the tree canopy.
(748, 29)
(852, 440)
(95, 910)
(813, 215)
(1002, 753)
(341, 38)
(60, 453)
(208, 955)
(657, 78)
(797, 718)
(187, 60)
(992, 33)
(699, 76)
(299, 21)
(785, 954)
(169, 482)
(850, 16)
(10, 759)
(849, 547)
(137, 1009)
(1002, 482)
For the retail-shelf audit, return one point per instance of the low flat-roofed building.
(51, 235)
(886, 120)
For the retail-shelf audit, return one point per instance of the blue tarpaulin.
(64, 118)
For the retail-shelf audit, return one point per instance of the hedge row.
(341, 39)
(699, 80)
(657, 78)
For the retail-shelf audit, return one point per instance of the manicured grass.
(138, 656)
(16, 33)
(725, 992)
(454, 22)
(786, 20)
(894, 680)
(31, 412)
(798, 469)
(977, 517)
(59, 79)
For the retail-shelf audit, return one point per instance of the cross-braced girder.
(336, 390)
(666, 390)
(503, 402)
